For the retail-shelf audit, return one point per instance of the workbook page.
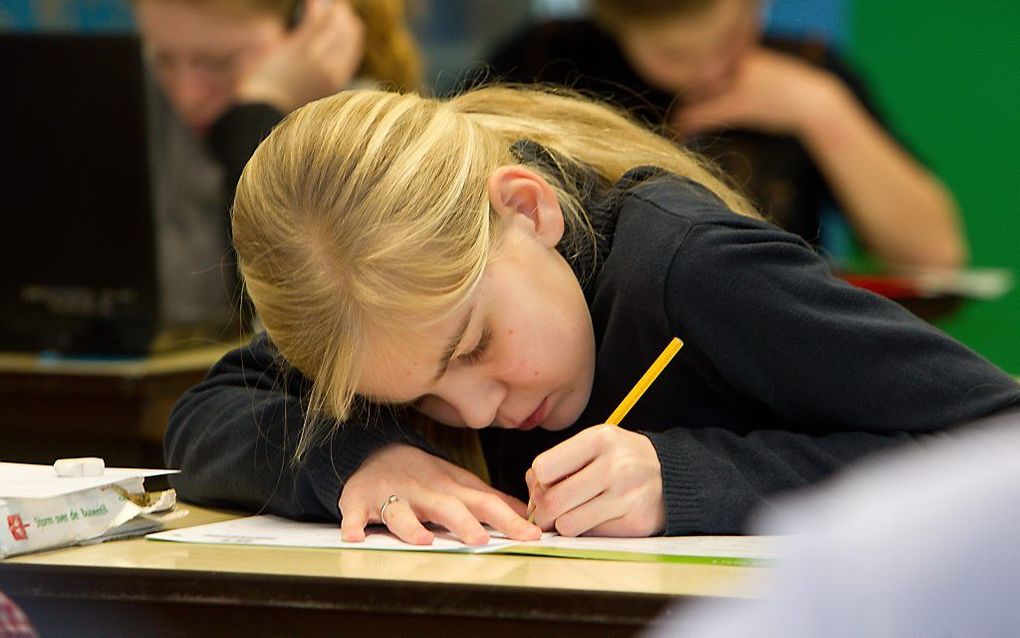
(282, 532)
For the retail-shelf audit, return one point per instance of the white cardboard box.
(39, 510)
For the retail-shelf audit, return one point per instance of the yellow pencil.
(632, 397)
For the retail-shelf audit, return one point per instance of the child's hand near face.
(769, 92)
(605, 481)
(319, 57)
(429, 489)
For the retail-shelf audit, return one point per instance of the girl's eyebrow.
(444, 361)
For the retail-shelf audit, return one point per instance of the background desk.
(148, 588)
(114, 409)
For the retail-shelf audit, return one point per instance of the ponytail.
(589, 133)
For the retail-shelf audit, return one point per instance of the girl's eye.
(479, 351)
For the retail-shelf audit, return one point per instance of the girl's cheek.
(513, 365)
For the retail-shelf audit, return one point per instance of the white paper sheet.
(24, 480)
(281, 532)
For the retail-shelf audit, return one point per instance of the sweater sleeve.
(233, 436)
(830, 372)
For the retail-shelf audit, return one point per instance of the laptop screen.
(80, 266)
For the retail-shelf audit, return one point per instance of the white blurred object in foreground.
(918, 543)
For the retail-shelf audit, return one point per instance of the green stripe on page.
(637, 557)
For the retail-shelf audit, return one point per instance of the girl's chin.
(554, 427)
(562, 417)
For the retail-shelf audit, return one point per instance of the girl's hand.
(770, 92)
(605, 481)
(318, 58)
(429, 490)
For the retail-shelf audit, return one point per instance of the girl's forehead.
(401, 365)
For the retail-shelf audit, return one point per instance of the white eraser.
(83, 466)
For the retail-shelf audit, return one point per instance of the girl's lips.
(536, 417)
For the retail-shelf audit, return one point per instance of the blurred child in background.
(226, 72)
(786, 119)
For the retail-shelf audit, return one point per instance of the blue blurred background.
(944, 73)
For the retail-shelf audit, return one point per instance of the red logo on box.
(18, 529)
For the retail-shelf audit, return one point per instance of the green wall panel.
(947, 74)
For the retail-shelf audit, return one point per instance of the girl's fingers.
(570, 493)
(430, 490)
(404, 523)
(497, 513)
(455, 516)
(515, 504)
(465, 480)
(534, 491)
(570, 456)
(472, 482)
(352, 524)
(587, 517)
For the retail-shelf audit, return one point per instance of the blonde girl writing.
(511, 261)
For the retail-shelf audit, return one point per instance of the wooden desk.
(115, 409)
(148, 588)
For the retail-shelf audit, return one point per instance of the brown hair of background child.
(610, 13)
(390, 53)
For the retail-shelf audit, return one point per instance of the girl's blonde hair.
(367, 213)
(391, 54)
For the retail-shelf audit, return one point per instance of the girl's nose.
(476, 400)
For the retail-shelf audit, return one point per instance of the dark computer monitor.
(79, 258)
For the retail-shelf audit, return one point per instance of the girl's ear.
(516, 191)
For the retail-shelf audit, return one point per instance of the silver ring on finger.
(393, 498)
